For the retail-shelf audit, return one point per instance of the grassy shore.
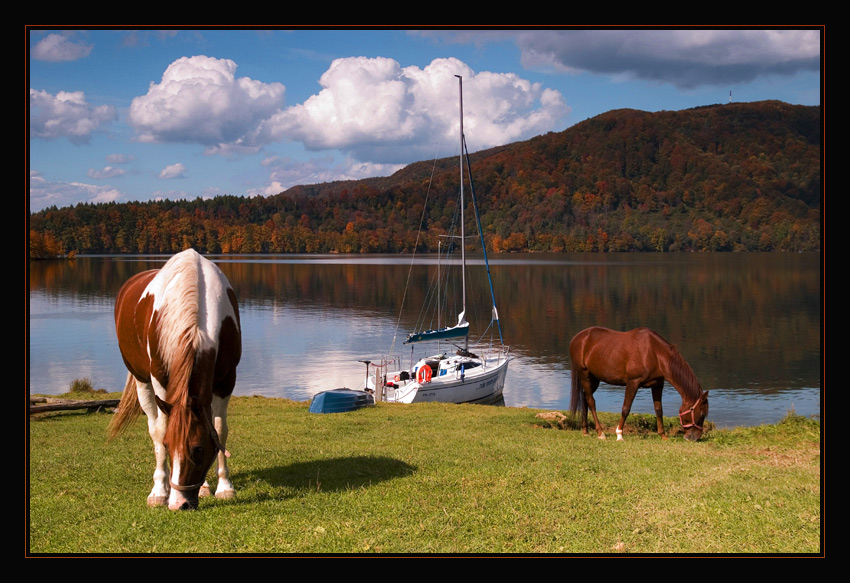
(432, 478)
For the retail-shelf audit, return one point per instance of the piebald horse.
(634, 359)
(179, 335)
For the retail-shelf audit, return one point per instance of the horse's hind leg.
(591, 386)
(659, 413)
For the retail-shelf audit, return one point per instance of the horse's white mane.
(177, 305)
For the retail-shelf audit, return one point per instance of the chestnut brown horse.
(179, 334)
(634, 359)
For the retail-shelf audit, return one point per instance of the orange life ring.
(424, 374)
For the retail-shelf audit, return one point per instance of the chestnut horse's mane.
(683, 374)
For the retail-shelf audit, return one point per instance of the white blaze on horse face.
(174, 499)
(177, 500)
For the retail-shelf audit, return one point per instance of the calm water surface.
(749, 324)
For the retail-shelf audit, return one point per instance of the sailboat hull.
(482, 384)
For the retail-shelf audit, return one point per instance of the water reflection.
(749, 324)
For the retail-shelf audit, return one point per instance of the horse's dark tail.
(577, 394)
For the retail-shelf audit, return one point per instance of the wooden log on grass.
(71, 404)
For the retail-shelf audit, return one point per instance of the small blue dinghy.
(340, 401)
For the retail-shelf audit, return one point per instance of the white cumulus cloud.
(44, 193)
(378, 111)
(373, 110)
(57, 47)
(200, 100)
(66, 114)
(173, 171)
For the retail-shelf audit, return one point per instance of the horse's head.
(693, 416)
(192, 443)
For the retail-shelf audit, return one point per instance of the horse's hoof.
(619, 438)
(157, 501)
(602, 436)
(204, 491)
(226, 495)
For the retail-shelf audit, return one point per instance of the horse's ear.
(163, 406)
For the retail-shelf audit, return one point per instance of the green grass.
(432, 479)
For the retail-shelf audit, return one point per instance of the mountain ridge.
(725, 177)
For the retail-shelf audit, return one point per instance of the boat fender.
(424, 374)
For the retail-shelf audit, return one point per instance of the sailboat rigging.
(466, 376)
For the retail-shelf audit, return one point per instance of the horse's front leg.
(224, 489)
(631, 391)
(659, 413)
(156, 428)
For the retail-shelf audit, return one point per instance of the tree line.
(735, 177)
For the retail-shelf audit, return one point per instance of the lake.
(749, 324)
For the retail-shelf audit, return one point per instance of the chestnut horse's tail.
(577, 394)
(128, 408)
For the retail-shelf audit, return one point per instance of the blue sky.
(124, 115)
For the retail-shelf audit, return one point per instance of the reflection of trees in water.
(739, 319)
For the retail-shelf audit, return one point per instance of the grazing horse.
(634, 359)
(179, 334)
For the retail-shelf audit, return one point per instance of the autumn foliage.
(733, 177)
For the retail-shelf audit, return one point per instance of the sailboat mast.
(462, 208)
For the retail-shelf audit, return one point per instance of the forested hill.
(716, 178)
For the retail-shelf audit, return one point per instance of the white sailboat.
(472, 374)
